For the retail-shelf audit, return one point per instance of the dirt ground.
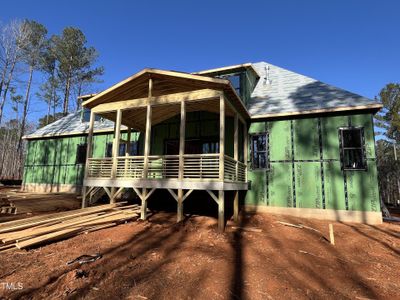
(159, 259)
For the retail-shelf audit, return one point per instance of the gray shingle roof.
(289, 92)
(71, 124)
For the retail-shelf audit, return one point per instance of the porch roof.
(165, 83)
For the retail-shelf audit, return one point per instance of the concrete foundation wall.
(367, 217)
(51, 188)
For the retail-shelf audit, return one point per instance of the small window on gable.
(352, 148)
(81, 154)
(86, 116)
(134, 151)
(236, 81)
(259, 151)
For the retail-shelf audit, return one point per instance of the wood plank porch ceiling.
(165, 82)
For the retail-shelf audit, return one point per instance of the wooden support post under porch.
(88, 155)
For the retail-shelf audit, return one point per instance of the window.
(235, 80)
(81, 154)
(134, 149)
(259, 151)
(352, 148)
(86, 115)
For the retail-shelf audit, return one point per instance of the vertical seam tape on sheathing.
(346, 198)
(322, 163)
(293, 175)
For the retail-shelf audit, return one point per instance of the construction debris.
(301, 226)
(331, 234)
(37, 230)
(250, 229)
(83, 259)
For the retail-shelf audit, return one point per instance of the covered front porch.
(150, 98)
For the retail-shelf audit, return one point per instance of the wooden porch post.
(88, 155)
(221, 137)
(147, 139)
(182, 133)
(221, 193)
(236, 157)
(115, 151)
(245, 147)
(128, 142)
(221, 211)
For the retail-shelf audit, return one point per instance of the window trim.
(267, 167)
(362, 148)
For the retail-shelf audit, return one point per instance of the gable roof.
(281, 92)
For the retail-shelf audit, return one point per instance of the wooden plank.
(54, 236)
(143, 208)
(180, 206)
(167, 99)
(245, 146)
(148, 131)
(187, 194)
(182, 133)
(236, 207)
(88, 154)
(221, 211)
(43, 230)
(211, 193)
(221, 137)
(7, 227)
(173, 194)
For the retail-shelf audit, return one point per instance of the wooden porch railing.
(196, 167)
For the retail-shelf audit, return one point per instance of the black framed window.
(259, 151)
(81, 154)
(352, 148)
(133, 151)
(86, 116)
(235, 79)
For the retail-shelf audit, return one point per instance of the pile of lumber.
(43, 229)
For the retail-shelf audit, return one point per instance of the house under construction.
(279, 141)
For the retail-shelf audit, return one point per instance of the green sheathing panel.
(280, 190)
(318, 179)
(257, 195)
(366, 122)
(306, 143)
(279, 140)
(330, 136)
(334, 186)
(362, 189)
(308, 184)
(53, 161)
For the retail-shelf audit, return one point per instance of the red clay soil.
(159, 259)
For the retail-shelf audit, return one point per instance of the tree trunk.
(23, 121)
(6, 87)
(66, 96)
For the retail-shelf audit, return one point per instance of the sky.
(351, 44)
